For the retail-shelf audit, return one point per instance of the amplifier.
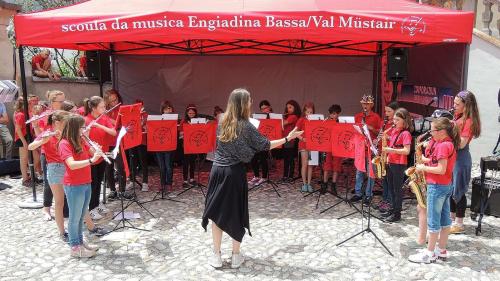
(493, 208)
(10, 166)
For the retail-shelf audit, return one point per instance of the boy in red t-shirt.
(372, 121)
(41, 66)
(332, 164)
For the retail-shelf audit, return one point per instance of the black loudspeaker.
(98, 66)
(493, 208)
(397, 64)
(9, 166)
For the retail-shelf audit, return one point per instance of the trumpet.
(87, 128)
(96, 147)
(44, 114)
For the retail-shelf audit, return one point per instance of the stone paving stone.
(291, 241)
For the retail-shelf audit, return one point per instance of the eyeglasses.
(264, 107)
(113, 101)
(436, 130)
(60, 101)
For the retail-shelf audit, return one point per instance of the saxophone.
(379, 161)
(416, 180)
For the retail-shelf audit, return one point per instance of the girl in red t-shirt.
(290, 117)
(469, 124)
(99, 132)
(397, 153)
(332, 163)
(188, 162)
(77, 160)
(306, 169)
(20, 139)
(165, 159)
(439, 161)
(48, 139)
(386, 125)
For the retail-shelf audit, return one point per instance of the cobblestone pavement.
(291, 241)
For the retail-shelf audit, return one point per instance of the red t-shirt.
(78, 176)
(292, 121)
(398, 140)
(301, 124)
(20, 120)
(437, 150)
(464, 128)
(97, 134)
(83, 62)
(81, 110)
(37, 59)
(372, 119)
(51, 151)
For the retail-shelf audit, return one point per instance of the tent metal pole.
(465, 68)
(377, 76)
(29, 203)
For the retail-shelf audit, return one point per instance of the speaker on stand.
(397, 68)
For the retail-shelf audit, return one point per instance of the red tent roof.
(344, 27)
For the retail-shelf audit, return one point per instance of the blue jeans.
(166, 164)
(55, 173)
(78, 197)
(360, 177)
(438, 206)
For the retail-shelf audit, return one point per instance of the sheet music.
(315, 117)
(170, 116)
(121, 134)
(198, 120)
(154, 117)
(368, 136)
(346, 119)
(275, 116)
(254, 122)
(259, 116)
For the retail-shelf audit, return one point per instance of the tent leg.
(377, 77)
(465, 68)
(31, 203)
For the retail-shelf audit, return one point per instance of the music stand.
(197, 184)
(363, 189)
(269, 182)
(344, 199)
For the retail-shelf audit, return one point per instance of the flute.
(98, 117)
(41, 116)
(47, 134)
(96, 148)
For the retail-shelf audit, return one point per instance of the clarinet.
(96, 148)
(381, 132)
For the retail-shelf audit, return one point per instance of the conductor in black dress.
(227, 198)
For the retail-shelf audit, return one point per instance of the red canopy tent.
(340, 27)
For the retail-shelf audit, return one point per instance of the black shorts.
(19, 142)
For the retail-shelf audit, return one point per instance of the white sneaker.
(145, 187)
(441, 254)
(94, 215)
(81, 252)
(423, 257)
(90, 247)
(260, 181)
(129, 186)
(102, 209)
(215, 260)
(237, 260)
(253, 180)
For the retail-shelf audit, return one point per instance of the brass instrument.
(379, 161)
(96, 147)
(416, 180)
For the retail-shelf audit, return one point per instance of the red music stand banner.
(130, 116)
(162, 135)
(318, 135)
(344, 138)
(271, 128)
(199, 138)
